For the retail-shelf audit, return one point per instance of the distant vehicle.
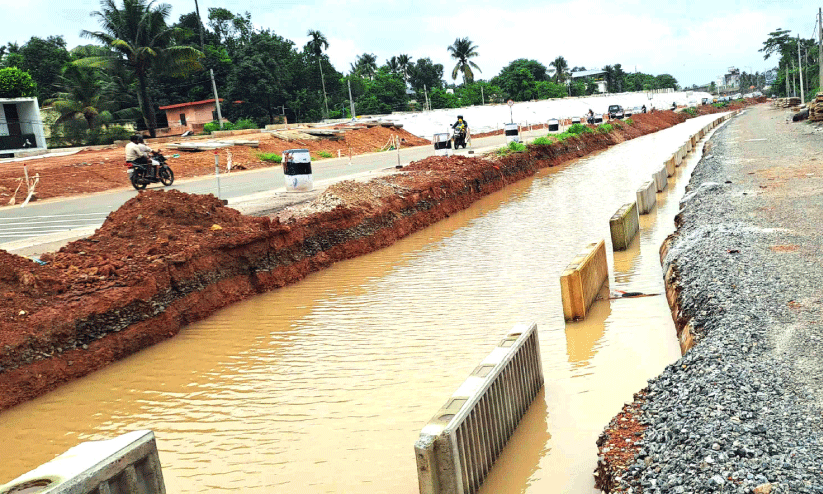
(737, 96)
(628, 112)
(705, 101)
(757, 94)
(615, 111)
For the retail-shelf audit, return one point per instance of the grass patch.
(324, 154)
(270, 157)
(605, 128)
(630, 121)
(577, 129)
(542, 141)
(512, 147)
(692, 112)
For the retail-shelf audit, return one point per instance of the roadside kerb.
(624, 225)
(671, 166)
(661, 180)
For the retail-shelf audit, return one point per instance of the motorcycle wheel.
(166, 176)
(137, 179)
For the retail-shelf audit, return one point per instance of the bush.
(579, 129)
(692, 112)
(565, 135)
(324, 154)
(270, 157)
(630, 121)
(542, 141)
(516, 147)
(116, 133)
(215, 126)
(605, 128)
(16, 83)
(244, 123)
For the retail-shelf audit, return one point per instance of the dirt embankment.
(104, 169)
(166, 259)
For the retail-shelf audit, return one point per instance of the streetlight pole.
(800, 63)
(211, 72)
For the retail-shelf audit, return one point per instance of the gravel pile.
(741, 411)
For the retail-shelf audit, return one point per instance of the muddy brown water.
(323, 386)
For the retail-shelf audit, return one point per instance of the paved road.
(60, 215)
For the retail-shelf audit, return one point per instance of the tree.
(315, 46)
(462, 50)
(16, 83)
(560, 66)
(365, 66)
(392, 65)
(426, 74)
(404, 63)
(513, 79)
(666, 81)
(44, 60)
(138, 34)
(712, 87)
(80, 95)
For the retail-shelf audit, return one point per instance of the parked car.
(705, 101)
(615, 111)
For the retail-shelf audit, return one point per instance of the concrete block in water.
(661, 180)
(624, 225)
(127, 463)
(459, 445)
(646, 197)
(582, 280)
(671, 166)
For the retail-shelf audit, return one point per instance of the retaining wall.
(582, 280)
(646, 197)
(624, 225)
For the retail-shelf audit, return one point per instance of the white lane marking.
(72, 215)
(751, 140)
(48, 222)
(29, 235)
(52, 227)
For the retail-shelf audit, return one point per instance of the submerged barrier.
(671, 166)
(581, 281)
(646, 198)
(624, 225)
(457, 448)
(125, 464)
(661, 179)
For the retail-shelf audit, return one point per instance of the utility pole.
(794, 84)
(482, 98)
(211, 72)
(323, 81)
(820, 47)
(351, 101)
(800, 62)
(787, 81)
(426, 92)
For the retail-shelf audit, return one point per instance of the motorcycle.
(141, 174)
(459, 137)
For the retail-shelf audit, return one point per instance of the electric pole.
(211, 72)
(351, 101)
(787, 81)
(820, 47)
(800, 63)
(426, 92)
(482, 98)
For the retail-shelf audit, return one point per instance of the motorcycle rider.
(461, 128)
(147, 151)
(590, 116)
(133, 152)
(643, 108)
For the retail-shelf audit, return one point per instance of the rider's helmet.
(460, 117)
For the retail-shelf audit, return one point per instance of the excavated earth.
(741, 411)
(97, 170)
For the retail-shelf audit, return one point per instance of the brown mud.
(166, 259)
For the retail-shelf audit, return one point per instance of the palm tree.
(560, 66)
(315, 46)
(79, 95)
(137, 33)
(365, 65)
(404, 63)
(462, 50)
(393, 65)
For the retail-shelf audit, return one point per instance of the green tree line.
(784, 46)
(139, 60)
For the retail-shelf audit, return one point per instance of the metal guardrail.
(125, 464)
(456, 450)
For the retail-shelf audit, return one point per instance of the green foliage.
(629, 121)
(577, 129)
(720, 104)
(565, 135)
(44, 60)
(324, 154)
(605, 128)
(462, 50)
(116, 133)
(519, 79)
(244, 123)
(512, 147)
(16, 83)
(270, 157)
(426, 74)
(549, 89)
(692, 112)
(542, 141)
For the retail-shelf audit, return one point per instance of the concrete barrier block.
(671, 166)
(127, 463)
(646, 197)
(624, 225)
(582, 280)
(661, 180)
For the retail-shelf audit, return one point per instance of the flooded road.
(323, 386)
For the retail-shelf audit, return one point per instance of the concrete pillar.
(582, 280)
(646, 197)
(661, 180)
(624, 225)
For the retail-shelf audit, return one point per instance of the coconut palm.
(365, 65)
(560, 66)
(79, 96)
(404, 63)
(137, 34)
(393, 65)
(462, 50)
(315, 46)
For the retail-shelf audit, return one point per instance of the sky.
(695, 41)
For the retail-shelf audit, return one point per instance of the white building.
(21, 128)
